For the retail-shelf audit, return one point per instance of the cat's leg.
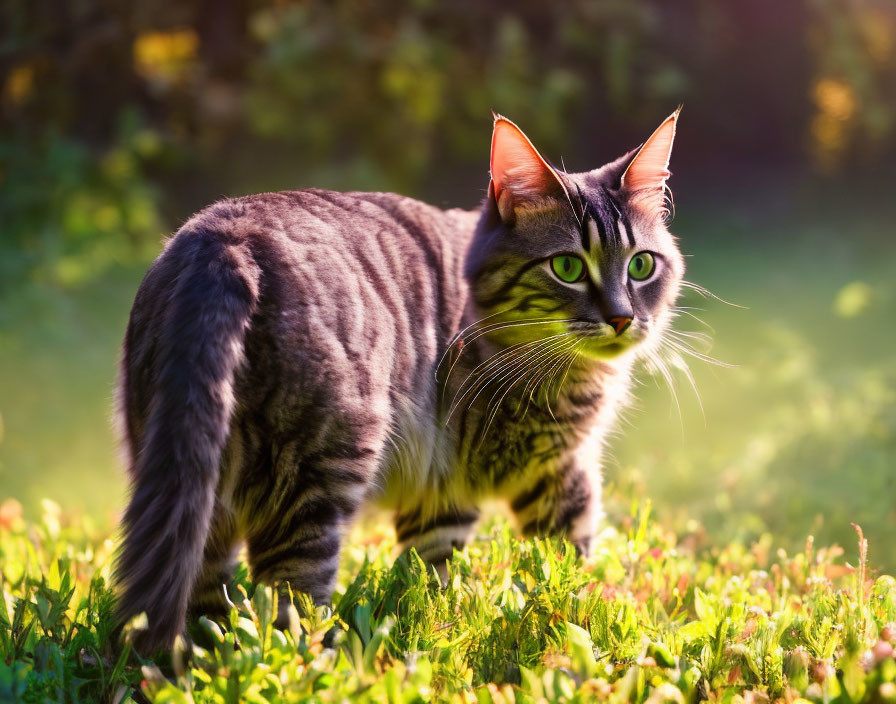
(579, 508)
(218, 565)
(219, 559)
(294, 537)
(566, 503)
(435, 533)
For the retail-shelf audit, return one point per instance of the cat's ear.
(519, 173)
(647, 173)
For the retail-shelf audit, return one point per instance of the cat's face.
(575, 262)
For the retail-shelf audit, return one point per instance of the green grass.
(650, 617)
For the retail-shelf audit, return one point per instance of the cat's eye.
(641, 266)
(568, 268)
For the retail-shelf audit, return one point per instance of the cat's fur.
(292, 355)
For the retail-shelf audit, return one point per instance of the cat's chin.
(600, 351)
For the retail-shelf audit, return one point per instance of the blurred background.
(120, 119)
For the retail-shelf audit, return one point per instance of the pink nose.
(620, 324)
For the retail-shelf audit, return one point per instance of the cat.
(291, 356)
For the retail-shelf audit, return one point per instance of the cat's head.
(581, 260)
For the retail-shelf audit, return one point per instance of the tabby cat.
(291, 356)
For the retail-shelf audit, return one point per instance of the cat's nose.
(620, 323)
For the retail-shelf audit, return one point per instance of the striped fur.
(291, 356)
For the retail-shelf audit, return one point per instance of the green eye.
(567, 268)
(641, 266)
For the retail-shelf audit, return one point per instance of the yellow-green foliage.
(648, 618)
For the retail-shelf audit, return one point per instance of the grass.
(652, 616)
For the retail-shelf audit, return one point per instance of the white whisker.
(706, 293)
(660, 365)
(493, 327)
(687, 312)
(546, 357)
(681, 347)
(507, 360)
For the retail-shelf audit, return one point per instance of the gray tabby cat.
(291, 356)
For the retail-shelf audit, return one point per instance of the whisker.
(547, 357)
(460, 334)
(528, 390)
(504, 360)
(686, 335)
(660, 366)
(509, 353)
(706, 293)
(691, 333)
(691, 315)
(572, 358)
(699, 355)
(494, 327)
(463, 332)
(547, 396)
(531, 365)
(540, 356)
(537, 382)
(682, 365)
(495, 362)
(511, 379)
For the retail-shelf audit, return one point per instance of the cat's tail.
(184, 345)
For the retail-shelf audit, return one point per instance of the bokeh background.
(120, 119)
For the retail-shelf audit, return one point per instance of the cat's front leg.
(565, 502)
(436, 532)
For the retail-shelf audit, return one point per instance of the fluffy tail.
(184, 344)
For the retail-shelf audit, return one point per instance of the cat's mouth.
(601, 341)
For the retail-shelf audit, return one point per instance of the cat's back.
(356, 233)
(341, 252)
(338, 240)
(318, 221)
(352, 284)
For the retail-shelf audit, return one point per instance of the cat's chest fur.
(446, 455)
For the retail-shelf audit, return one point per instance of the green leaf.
(661, 654)
(703, 607)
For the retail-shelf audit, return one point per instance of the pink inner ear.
(516, 166)
(650, 167)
